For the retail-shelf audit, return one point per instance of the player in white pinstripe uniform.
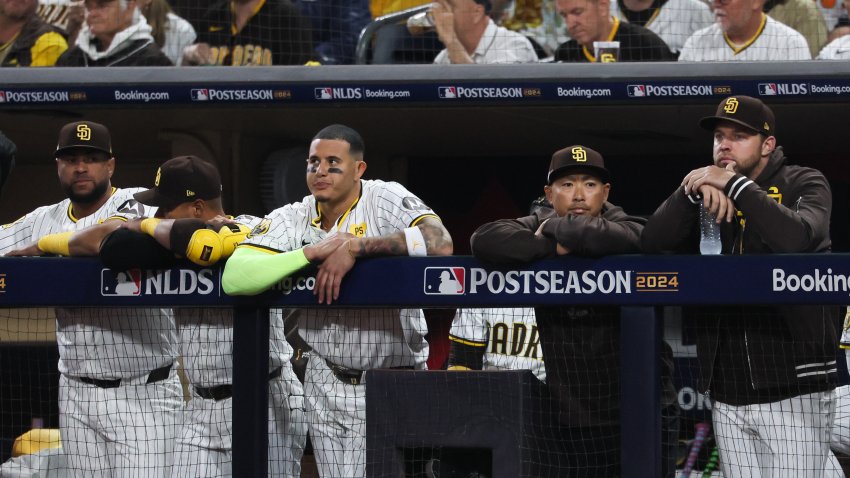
(672, 20)
(742, 32)
(192, 224)
(840, 432)
(372, 218)
(188, 189)
(496, 339)
(119, 395)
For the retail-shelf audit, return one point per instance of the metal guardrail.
(362, 50)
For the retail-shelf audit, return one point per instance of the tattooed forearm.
(438, 242)
(437, 238)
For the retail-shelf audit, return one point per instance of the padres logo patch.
(731, 106)
(773, 192)
(261, 228)
(83, 132)
(579, 154)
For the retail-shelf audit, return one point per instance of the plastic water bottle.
(709, 233)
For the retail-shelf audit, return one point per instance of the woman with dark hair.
(170, 32)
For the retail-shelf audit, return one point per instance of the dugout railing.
(638, 283)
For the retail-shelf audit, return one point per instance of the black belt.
(157, 375)
(352, 375)
(221, 392)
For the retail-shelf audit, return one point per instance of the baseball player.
(840, 432)
(382, 218)
(191, 224)
(496, 339)
(742, 32)
(770, 371)
(119, 394)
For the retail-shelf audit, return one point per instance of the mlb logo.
(767, 89)
(445, 281)
(120, 283)
(2, 96)
(447, 92)
(200, 94)
(324, 93)
(636, 91)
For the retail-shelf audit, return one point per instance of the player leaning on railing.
(113, 362)
(384, 219)
(770, 371)
(191, 224)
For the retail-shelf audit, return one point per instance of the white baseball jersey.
(355, 338)
(497, 45)
(510, 336)
(675, 21)
(773, 42)
(100, 343)
(206, 338)
(838, 49)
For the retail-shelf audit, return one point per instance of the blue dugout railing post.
(250, 391)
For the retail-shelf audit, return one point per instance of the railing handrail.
(404, 281)
(362, 49)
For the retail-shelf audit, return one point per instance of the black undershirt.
(643, 16)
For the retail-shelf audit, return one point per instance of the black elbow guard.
(123, 249)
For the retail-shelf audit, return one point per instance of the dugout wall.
(481, 131)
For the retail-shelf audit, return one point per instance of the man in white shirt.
(742, 32)
(470, 36)
(838, 49)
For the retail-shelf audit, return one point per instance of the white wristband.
(415, 242)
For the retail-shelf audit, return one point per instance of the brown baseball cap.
(182, 179)
(746, 111)
(84, 134)
(577, 158)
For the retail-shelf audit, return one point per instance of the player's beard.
(87, 198)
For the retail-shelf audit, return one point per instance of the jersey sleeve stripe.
(420, 218)
(470, 343)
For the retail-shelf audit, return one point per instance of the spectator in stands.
(590, 21)
(540, 22)
(770, 370)
(336, 26)
(804, 17)
(115, 34)
(119, 393)
(581, 344)
(66, 15)
(7, 158)
(674, 21)
(839, 46)
(171, 33)
(470, 35)
(838, 49)
(26, 39)
(247, 33)
(743, 32)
